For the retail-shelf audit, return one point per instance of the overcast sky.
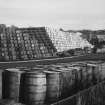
(68, 14)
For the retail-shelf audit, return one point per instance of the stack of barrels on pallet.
(46, 84)
(24, 43)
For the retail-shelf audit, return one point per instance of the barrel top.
(60, 70)
(34, 72)
(92, 64)
(70, 69)
(51, 72)
(95, 62)
(58, 65)
(14, 70)
(23, 68)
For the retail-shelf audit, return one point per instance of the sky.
(66, 14)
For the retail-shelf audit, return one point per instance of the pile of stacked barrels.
(36, 44)
(46, 84)
(59, 39)
(64, 41)
(24, 43)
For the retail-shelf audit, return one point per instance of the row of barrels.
(92, 96)
(95, 95)
(50, 83)
(24, 43)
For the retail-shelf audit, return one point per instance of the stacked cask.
(35, 43)
(39, 43)
(8, 43)
(50, 83)
(24, 43)
(59, 39)
(12, 43)
(3, 43)
(64, 41)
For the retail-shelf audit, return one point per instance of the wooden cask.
(12, 84)
(34, 85)
(53, 86)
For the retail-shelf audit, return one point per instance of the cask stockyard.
(49, 66)
(52, 52)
